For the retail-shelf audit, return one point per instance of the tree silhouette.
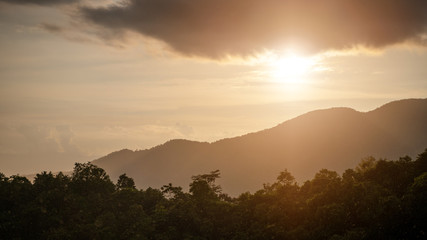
(379, 199)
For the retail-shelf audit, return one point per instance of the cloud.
(217, 28)
(40, 2)
(70, 33)
(183, 129)
(52, 28)
(33, 148)
(38, 139)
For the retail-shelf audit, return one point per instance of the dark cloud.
(215, 28)
(70, 33)
(53, 28)
(40, 2)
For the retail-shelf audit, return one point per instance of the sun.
(290, 68)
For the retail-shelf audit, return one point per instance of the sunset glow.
(266, 119)
(291, 68)
(80, 79)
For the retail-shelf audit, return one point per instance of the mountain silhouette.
(336, 139)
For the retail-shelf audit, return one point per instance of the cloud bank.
(216, 28)
(41, 2)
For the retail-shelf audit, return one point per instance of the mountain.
(336, 139)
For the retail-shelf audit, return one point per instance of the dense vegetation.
(379, 199)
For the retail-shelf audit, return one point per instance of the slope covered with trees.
(335, 139)
(379, 199)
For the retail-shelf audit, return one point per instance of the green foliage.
(379, 199)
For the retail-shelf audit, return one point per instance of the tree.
(87, 179)
(18, 217)
(203, 186)
(286, 178)
(50, 193)
(170, 192)
(421, 163)
(125, 182)
(418, 200)
(89, 201)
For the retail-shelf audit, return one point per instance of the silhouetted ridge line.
(335, 138)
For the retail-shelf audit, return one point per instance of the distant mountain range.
(336, 139)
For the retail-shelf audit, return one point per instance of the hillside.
(336, 139)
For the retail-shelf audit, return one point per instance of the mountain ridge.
(334, 138)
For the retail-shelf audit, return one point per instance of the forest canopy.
(379, 199)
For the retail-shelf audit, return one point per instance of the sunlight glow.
(291, 68)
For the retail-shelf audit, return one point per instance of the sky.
(82, 78)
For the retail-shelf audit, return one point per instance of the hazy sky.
(80, 79)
